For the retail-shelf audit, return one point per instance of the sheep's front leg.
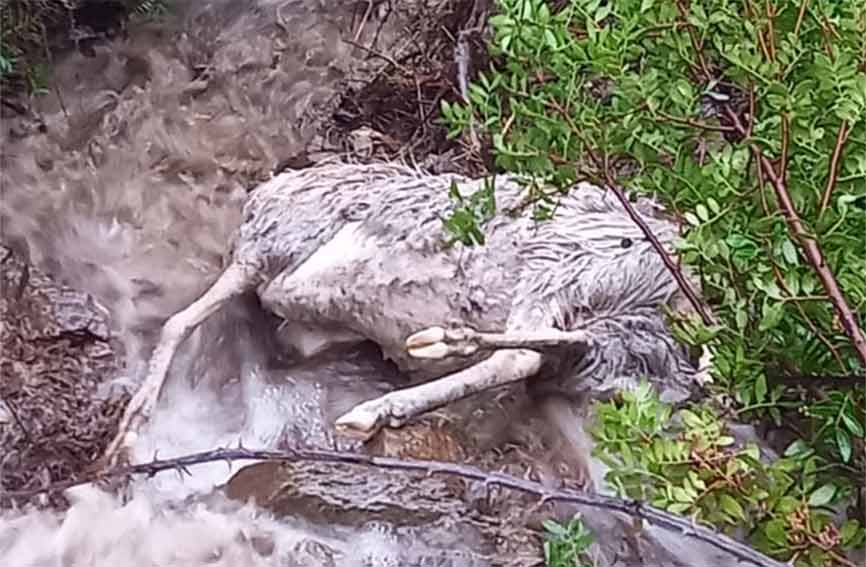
(235, 280)
(396, 408)
(437, 343)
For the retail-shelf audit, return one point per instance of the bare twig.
(841, 138)
(762, 43)
(634, 508)
(840, 559)
(771, 29)
(751, 124)
(388, 59)
(803, 5)
(816, 259)
(694, 123)
(461, 57)
(786, 145)
(781, 280)
(366, 17)
(14, 412)
(677, 273)
(697, 45)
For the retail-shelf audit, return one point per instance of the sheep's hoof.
(361, 422)
(365, 420)
(116, 457)
(438, 343)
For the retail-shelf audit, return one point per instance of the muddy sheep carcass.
(347, 253)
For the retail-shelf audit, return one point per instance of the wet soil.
(56, 357)
(401, 102)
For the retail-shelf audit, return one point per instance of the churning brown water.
(130, 194)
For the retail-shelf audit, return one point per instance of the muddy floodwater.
(119, 198)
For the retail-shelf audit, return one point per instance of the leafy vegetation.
(470, 214)
(747, 119)
(150, 9)
(691, 465)
(31, 30)
(24, 29)
(568, 545)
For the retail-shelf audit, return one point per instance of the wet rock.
(311, 552)
(392, 517)
(48, 309)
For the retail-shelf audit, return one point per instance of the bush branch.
(816, 259)
(841, 138)
(633, 508)
(810, 245)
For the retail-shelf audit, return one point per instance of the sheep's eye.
(625, 242)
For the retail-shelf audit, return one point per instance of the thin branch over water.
(665, 520)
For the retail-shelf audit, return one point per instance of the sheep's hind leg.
(396, 408)
(438, 343)
(235, 280)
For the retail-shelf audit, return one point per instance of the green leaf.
(852, 424)
(752, 451)
(849, 531)
(603, 12)
(772, 314)
(843, 442)
(691, 419)
(787, 504)
(742, 317)
(789, 252)
(775, 532)
(822, 496)
(761, 388)
(692, 219)
(703, 213)
(798, 447)
(554, 528)
(714, 205)
(809, 474)
(681, 495)
(731, 506)
(550, 39)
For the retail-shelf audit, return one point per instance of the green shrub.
(723, 110)
(747, 119)
(690, 465)
(567, 545)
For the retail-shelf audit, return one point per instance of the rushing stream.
(129, 192)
